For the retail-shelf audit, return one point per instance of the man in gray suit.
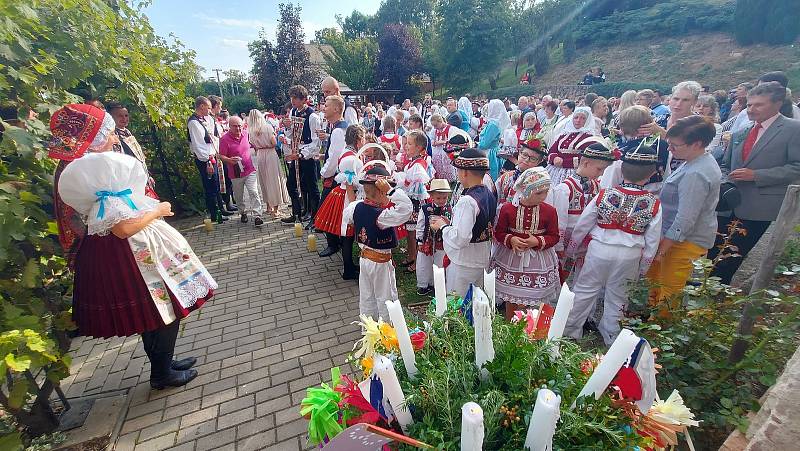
(762, 160)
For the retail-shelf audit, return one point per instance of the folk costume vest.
(431, 239)
(487, 205)
(365, 220)
(628, 208)
(580, 194)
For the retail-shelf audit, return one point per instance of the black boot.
(229, 202)
(333, 245)
(183, 364)
(159, 345)
(221, 207)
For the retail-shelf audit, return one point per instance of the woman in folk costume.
(566, 149)
(465, 111)
(525, 262)
(489, 140)
(329, 216)
(270, 179)
(134, 273)
(527, 128)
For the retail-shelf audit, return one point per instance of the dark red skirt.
(330, 213)
(110, 297)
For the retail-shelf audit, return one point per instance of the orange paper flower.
(388, 337)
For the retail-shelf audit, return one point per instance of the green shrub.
(664, 19)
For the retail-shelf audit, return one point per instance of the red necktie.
(750, 141)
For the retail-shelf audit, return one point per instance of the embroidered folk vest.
(365, 221)
(577, 197)
(628, 209)
(487, 210)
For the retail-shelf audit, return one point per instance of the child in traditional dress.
(329, 216)
(467, 237)
(571, 196)
(455, 145)
(525, 263)
(441, 133)
(429, 243)
(532, 153)
(390, 136)
(414, 181)
(374, 222)
(134, 273)
(625, 226)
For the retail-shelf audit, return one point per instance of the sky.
(220, 30)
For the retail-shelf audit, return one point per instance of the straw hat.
(439, 186)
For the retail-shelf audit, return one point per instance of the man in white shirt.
(204, 142)
(306, 159)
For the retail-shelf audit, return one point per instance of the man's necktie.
(750, 141)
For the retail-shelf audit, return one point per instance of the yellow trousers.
(669, 275)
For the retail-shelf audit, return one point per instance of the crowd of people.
(592, 192)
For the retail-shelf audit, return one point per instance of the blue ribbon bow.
(350, 176)
(103, 195)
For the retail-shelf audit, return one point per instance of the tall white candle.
(384, 369)
(545, 415)
(471, 427)
(482, 310)
(440, 290)
(565, 302)
(403, 338)
(489, 284)
(619, 352)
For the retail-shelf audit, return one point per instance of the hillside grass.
(712, 59)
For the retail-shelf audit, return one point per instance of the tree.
(770, 21)
(265, 70)
(472, 41)
(285, 64)
(408, 12)
(236, 82)
(356, 25)
(398, 59)
(352, 60)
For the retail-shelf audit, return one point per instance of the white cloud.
(253, 24)
(235, 43)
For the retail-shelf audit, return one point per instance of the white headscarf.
(497, 113)
(588, 127)
(107, 128)
(465, 105)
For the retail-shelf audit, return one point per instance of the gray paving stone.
(280, 318)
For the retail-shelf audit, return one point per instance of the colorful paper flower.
(371, 337)
(418, 340)
(388, 336)
(366, 365)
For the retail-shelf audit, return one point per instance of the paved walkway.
(281, 318)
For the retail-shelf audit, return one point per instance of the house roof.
(315, 53)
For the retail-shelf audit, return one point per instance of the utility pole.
(219, 82)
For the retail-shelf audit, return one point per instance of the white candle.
(543, 421)
(471, 427)
(619, 352)
(488, 285)
(440, 290)
(565, 302)
(403, 338)
(384, 369)
(482, 310)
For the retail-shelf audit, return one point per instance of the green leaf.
(726, 403)
(11, 441)
(17, 395)
(18, 364)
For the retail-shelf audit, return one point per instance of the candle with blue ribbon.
(103, 195)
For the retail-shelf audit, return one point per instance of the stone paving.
(280, 320)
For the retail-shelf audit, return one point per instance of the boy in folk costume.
(571, 196)
(455, 145)
(531, 154)
(429, 243)
(525, 262)
(625, 226)
(374, 223)
(329, 217)
(467, 237)
(414, 180)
